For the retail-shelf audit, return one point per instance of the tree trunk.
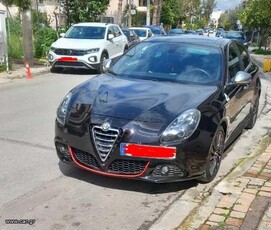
(27, 36)
(120, 12)
(156, 12)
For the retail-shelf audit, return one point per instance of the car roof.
(193, 39)
(96, 24)
(138, 28)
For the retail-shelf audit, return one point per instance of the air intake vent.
(104, 140)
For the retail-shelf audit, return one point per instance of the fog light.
(92, 59)
(63, 150)
(50, 57)
(165, 170)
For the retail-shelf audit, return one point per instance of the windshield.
(235, 35)
(174, 62)
(85, 32)
(140, 33)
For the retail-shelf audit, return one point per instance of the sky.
(227, 4)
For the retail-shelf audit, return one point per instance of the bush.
(44, 37)
(261, 51)
(14, 39)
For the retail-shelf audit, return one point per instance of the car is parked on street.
(175, 32)
(131, 36)
(157, 30)
(86, 46)
(236, 35)
(163, 112)
(142, 33)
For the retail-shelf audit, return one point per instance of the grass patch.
(261, 51)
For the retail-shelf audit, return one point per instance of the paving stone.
(216, 218)
(234, 221)
(263, 176)
(212, 223)
(221, 211)
(266, 171)
(246, 197)
(250, 190)
(267, 194)
(241, 208)
(205, 227)
(256, 182)
(266, 189)
(226, 201)
(239, 215)
(267, 184)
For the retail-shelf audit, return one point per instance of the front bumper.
(80, 150)
(88, 61)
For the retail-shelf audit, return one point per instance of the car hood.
(68, 43)
(134, 99)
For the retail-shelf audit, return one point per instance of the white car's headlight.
(63, 108)
(94, 50)
(182, 127)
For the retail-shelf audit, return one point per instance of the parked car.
(87, 46)
(219, 32)
(131, 36)
(199, 31)
(163, 112)
(142, 33)
(157, 30)
(190, 32)
(175, 32)
(237, 36)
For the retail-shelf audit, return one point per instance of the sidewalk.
(20, 72)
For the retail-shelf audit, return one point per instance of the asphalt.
(241, 200)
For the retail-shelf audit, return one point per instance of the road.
(35, 185)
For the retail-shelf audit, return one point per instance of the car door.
(119, 40)
(112, 44)
(238, 96)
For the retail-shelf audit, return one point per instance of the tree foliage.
(170, 14)
(256, 15)
(22, 4)
(229, 18)
(84, 11)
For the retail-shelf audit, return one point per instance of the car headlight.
(52, 48)
(182, 127)
(63, 108)
(94, 50)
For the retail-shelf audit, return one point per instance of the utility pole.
(148, 18)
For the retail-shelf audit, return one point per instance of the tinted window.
(85, 32)
(243, 55)
(141, 33)
(117, 31)
(176, 62)
(233, 61)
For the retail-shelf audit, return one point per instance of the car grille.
(104, 141)
(117, 166)
(69, 63)
(70, 52)
(127, 166)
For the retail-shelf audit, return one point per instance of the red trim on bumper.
(147, 151)
(106, 173)
(67, 59)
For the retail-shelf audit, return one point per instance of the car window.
(140, 33)
(163, 61)
(233, 61)
(117, 31)
(85, 32)
(111, 31)
(243, 55)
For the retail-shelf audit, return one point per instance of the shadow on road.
(77, 71)
(124, 184)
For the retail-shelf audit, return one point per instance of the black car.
(131, 36)
(175, 32)
(165, 111)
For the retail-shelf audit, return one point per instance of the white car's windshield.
(175, 62)
(85, 32)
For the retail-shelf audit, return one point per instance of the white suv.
(86, 46)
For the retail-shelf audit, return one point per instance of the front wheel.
(102, 62)
(214, 157)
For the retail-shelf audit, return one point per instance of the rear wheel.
(214, 157)
(253, 114)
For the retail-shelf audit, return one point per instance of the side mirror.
(62, 35)
(110, 36)
(242, 78)
(106, 65)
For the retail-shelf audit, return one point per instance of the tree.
(25, 6)
(208, 8)
(84, 11)
(256, 15)
(228, 19)
(120, 3)
(170, 15)
(190, 10)
(157, 8)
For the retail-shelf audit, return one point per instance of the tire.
(253, 114)
(214, 157)
(102, 60)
